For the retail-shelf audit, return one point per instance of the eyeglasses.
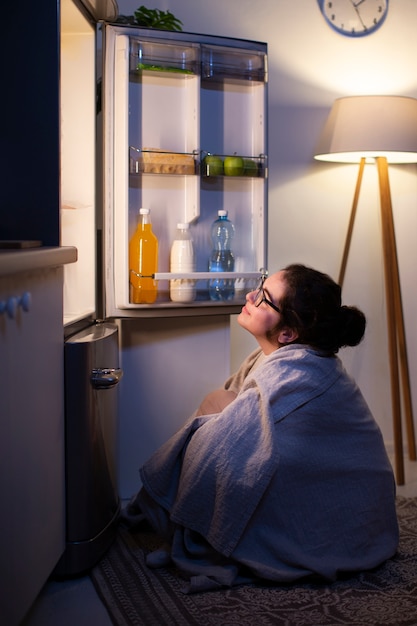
(261, 297)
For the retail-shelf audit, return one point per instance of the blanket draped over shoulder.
(291, 479)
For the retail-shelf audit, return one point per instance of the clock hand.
(355, 6)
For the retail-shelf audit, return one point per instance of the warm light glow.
(370, 156)
(370, 127)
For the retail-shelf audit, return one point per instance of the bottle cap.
(221, 212)
(183, 226)
(144, 211)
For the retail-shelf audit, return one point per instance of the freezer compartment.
(91, 431)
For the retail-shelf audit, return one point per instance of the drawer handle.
(105, 378)
(11, 305)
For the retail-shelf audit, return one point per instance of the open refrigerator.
(187, 96)
(140, 110)
(161, 99)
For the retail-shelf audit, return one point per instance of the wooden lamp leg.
(390, 295)
(395, 318)
(351, 222)
(396, 328)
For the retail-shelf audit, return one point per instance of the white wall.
(309, 202)
(169, 366)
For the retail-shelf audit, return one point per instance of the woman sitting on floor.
(282, 474)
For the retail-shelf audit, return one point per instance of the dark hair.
(313, 307)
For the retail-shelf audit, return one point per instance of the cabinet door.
(172, 101)
(31, 437)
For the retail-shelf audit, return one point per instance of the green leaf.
(155, 18)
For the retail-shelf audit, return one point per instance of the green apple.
(250, 167)
(213, 165)
(233, 166)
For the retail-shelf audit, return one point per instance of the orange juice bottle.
(143, 262)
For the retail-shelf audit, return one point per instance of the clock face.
(354, 18)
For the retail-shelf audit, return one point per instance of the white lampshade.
(370, 126)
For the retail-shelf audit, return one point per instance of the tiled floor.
(75, 602)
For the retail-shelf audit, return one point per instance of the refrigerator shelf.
(201, 302)
(247, 166)
(244, 282)
(196, 276)
(168, 58)
(213, 63)
(157, 161)
(199, 306)
(145, 68)
(232, 64)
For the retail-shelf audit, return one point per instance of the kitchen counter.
(16, 260)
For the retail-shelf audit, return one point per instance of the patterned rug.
(136, 595)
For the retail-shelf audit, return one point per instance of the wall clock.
(354, 18)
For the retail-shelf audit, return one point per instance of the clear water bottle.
(221, 258)
(182, 260)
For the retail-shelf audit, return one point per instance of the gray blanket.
(290, 479)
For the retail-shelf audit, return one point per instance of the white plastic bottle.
(182, 259)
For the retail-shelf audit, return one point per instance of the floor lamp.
(381, 130)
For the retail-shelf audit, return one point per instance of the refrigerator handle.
(105, 378)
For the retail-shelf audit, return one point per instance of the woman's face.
(260, 320)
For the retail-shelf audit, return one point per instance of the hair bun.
(352, 324)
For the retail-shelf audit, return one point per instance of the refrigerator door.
(78, 158)
(79, 99)
(91, 434)
(169, 100)
(101, 9)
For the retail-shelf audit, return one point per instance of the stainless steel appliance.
(92, 501)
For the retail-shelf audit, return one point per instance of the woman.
(287, 478)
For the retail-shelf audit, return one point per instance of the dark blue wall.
(29, 135)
